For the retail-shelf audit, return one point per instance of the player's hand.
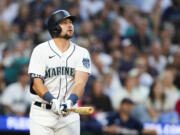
(64, 106)
(55, 106)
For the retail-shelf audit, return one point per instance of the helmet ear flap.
(59, 29)
(56, 31)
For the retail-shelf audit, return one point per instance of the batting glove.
(55, 106)
(64, 106)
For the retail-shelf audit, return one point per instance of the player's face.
(67, 28)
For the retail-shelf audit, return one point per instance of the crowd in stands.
(135, 56)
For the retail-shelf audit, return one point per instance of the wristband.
(73, 98)
(48, 97)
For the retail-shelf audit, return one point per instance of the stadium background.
(135, 52)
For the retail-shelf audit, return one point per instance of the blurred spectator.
(48, 9)
(147, 6)
(90, 126)
(10, 11)
(2, 87)
(23, 16)
(172, 14)
(145, 79)
(86, 29)
(90, 7)
(112, 35)
(112, 83)
(156, 59)
(141, 38)
(5, 33)
(167, 48)
(176, 64)
(123, 123)
(11, 72)
(7, 57)
(155, 16)
(37, 7)
(116, 57)
(157, 101)
(2, 81)
(125, 19)
(167, 31)
(177, 108)
(100, 60)
(171, 91)
(113, 43)
(97, 98)
(16, 97)
(131, 89)
(127, 58)
(159, 105)
(100, 24)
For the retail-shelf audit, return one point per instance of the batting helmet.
(55, 18)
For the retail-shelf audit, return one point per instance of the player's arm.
(41, 89)
(78, 89)
(37, 72)
(82, 71)
(80, 82)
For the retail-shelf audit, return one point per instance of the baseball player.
(59, 70)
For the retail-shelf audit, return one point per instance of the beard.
(66, 36)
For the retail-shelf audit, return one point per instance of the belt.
(43, 105)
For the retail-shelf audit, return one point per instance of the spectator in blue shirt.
(123, 123)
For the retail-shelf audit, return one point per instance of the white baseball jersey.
(57, 69)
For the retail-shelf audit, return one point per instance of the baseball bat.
(82, 110)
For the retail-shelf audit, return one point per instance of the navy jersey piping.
(60, 77)
(66, 66)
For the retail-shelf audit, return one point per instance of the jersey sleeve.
(37, 63)
(84, 62)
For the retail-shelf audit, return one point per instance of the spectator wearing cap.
(123, 123)
(16, 97)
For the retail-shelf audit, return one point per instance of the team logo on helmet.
(86, 62)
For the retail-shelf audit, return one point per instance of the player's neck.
(62, 44)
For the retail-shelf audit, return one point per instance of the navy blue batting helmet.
(55, 18)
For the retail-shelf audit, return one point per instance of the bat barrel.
(82, 110)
